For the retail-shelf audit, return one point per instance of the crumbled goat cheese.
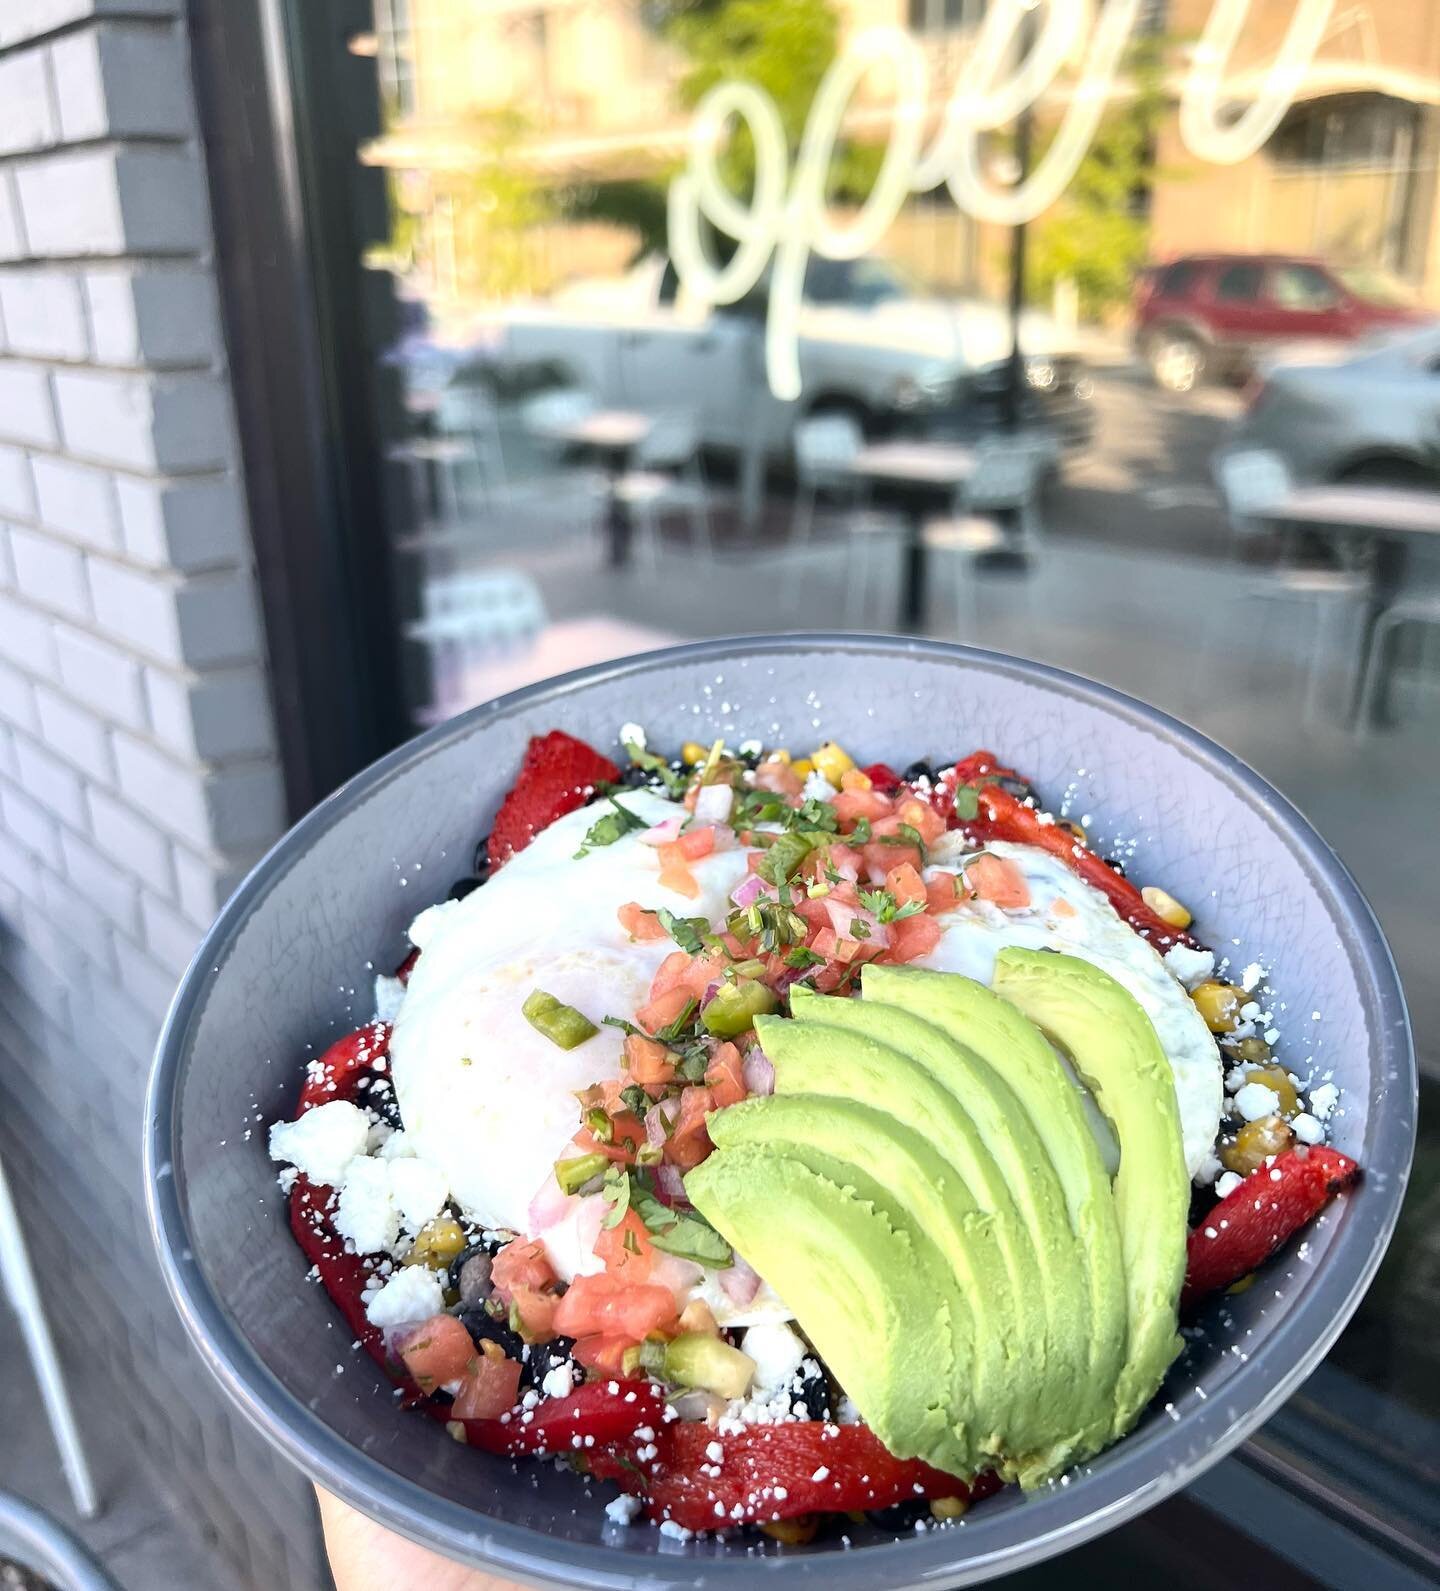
(418, 1189)
(397, 1146)
(1210, 1168)
(848, 1413)
(422, 930)
(559, 1381)
(669, 1527)
(389, 992)
(1227, 1184)
(1252, 976)
(412, 1293)
(367, 1214)
(323, 1141)
(1323, 1101)
(633, 735)
(1255, 1100)
(818, 787)
(777, 1353)
(1191, 967)
(623, 1509)
(1307, 1129)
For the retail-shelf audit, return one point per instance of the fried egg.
(1066, 914)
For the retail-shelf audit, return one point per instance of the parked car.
(1214, 315)
(1373, 417)
(872, 345)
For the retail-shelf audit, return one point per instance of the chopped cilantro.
(906, 834)
(802, 956)
(672, 1030)
(687, 1236)
(860, 834)
(675, 782)
(616, 1193)
(635, 1099)
(687, 932)
(859, 928)
(886, 908)
(610, 827)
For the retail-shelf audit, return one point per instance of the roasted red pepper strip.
(336, 1073)
(982, 765)
(1266, 1210)
(406, 967)
(817, 1468)
(593, 1418)
(342, 1275)
(883, 777)
(558, 774)
(1002, 817)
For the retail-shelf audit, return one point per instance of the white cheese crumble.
(817, 787)
(422, 930)
(1227, 1184)
(389, 992)
(1323, 1101)
(559, 1381)
(396, 1147)
(367, 1214)
(323, 1141)
(1256, 1100)
(777, 1353)
(633, 735)
(412, 1293)
(1210, 1168)
(1190, 967)
(417, 1189)
(623, 1509)
(1307, 1129)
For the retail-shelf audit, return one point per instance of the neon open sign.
(786, 218)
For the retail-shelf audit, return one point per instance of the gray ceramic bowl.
(286, 969)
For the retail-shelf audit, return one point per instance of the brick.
(17, 489)
(77, 500)
(150, 985)
(132, 840)
(26, 637)
(35, 18)
(49, 573)
(12, 231)
(153, 316)
(113, 891)
(49, 781)
(27, 412)
(205, 883)
(185, 525)
(171, 938)
(7, 565)
(74, 734)
(100, 675)
(44, 314)
(207, 620)
(118, 81)
(29, 825)
(72, 915)
(232, 808)
(210, 717)
(117, 200)
(174, 422)
(29, 122)
(247, 804)
(17, 699)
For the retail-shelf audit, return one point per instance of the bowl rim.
(1130, 1482)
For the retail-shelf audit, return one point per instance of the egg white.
(976, 932)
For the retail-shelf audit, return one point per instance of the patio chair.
(547, 414)
(470, 616)
(1418, 606)
(667, 476)
(466, 412)
(824, 447)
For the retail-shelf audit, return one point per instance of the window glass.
(1302, 287)
(1238, 283)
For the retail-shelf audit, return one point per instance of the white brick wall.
(138, 777)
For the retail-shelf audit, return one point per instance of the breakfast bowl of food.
(829, 1107)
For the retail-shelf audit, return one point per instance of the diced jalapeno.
(600, 1126)
(575, 1173)
(735, 1007)
(561, 1024)
(780, 862)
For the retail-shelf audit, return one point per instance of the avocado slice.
(917, 1190)
(1120, 1060)
(856, 1280)
(1020, 1183)
(1015, 1049)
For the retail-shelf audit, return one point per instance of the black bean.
(485, 1327)
(918, 771)
(482, 858)
(472, 1280)
(378, 1094)
(813, 1393)
(543, 1358)
(1021, 789)
(636, 778)
(901, 1516)
(1115, 863)
(463, 887)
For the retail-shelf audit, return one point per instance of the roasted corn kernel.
(1254, 1144)
(831, 761)
(1166, 907)
(1219, 1004)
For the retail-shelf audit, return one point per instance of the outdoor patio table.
(611, 435)
(917, 473)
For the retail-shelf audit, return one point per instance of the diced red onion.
(665, 833)
(697, 1405)
(750, 889)
(843, 917)
(739, 1282)
(711, 990)
(758, 1071)
(662, 1113)
(669, 1184)
(713, 803)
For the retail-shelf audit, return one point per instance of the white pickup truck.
(870, 344)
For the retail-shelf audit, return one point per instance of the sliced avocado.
(852, 1277)
(1018, 1051)
(1120, 1060)
(990, 1391)
(1018, 1180)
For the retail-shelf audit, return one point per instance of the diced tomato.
(998, 880)
(491, 1389)
(649, 1063)
(883, 777)
(627, 1135)
(438, 1350)
(626, 1249)
(778, 778)
(944, 892)
(913, 937)
(521, 1263)
(905, 884)
(601, 1353)
(536, 1311)
(675, 872)
(689, 1143)
(607, 1305)
(695, 843)
(853, 805)
(680, 970)
(725, 1077)
(880, 857)
(639, 923)
(923, 818)
(846, 860)
(663, 1010)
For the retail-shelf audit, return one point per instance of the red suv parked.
(1212, 314)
